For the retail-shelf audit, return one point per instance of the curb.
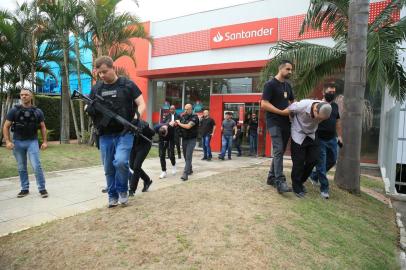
(402, 241)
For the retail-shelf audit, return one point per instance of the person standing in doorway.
(25, 120)
(329, 135)
(276, 97)
(207, 128)
(170, 119)
(253, 134)
(188, 125)
(229, 131)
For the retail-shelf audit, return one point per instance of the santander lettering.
(248, 34)
(265, 31)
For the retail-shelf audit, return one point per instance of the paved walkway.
(77, 191)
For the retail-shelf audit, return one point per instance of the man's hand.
(340, 139)
(172, 123)
(234, 136)
(177, 122)
(44, 145)
(9, 145)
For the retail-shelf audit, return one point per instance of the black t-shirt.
(253, 126)
(207, 125)
(278, 94)
(192, 132)
(120, 98)
(327, 128)
(18, 133)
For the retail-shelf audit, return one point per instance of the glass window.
(197, 93)
(235, 85)
(166, 94)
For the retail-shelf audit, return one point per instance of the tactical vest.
(192, 132)
(117, 100)
(26, 122)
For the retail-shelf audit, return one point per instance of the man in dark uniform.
(188, 125)
(122, 96)
(207, 128)
(170, 119)
(139, 152)
(24, 120)
(329, 134)
(166, 144)
(276, 97)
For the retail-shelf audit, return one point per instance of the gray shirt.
(303, 124)
(228, 127)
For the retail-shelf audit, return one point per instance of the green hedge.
(51, 106)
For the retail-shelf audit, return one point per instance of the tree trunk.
(81, 111)
(348, 167)
(65, 94)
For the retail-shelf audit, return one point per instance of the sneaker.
(146, 186)
(282, 187)
(184, 177)
(113, 202)
(300, 195)
(44, 193)
(173, 169)
(204, 158)
(23, 193)
(131, 193)
(162, 175)
(271, 181)
(104, 190)
(324, 195)
(209, 159)
(123, 198)
(229, 158)
(220, 157)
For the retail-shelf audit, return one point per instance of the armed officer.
(123, 97)
(188, 125)
(24, 120)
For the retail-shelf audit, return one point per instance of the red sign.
(265, 31)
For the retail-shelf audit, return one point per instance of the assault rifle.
(107, 114)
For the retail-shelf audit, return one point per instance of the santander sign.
(257, 32)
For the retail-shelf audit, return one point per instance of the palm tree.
(316, 63)
(111, 33)
(59, 15)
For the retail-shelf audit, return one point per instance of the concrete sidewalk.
(77, 191)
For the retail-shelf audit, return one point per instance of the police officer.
(139, 152)
(188, 125)
(24, 120)
(170, 119)
(122, 96)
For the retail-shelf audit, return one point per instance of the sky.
(157, 10)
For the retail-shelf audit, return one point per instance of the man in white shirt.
(306, 116)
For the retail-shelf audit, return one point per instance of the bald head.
(188, 108)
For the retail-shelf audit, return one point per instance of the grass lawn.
(230, 221)
(57, 157)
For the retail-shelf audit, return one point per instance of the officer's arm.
(339, 130)
(6, 134)
(44, 135)
(187, 126)
(267, 106)
(140, 105)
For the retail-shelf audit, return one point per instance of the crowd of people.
(312, 126)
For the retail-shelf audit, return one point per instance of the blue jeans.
(206, 146)
(328, 158)
(115, 152)
(226, 144)
(22, 148)
(253, 143)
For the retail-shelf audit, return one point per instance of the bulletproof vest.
(26, 122)
(192, 132)
(117, 100)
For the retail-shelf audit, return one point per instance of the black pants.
(304, 158)
(177, 139)
(163, 147)
(137, 157)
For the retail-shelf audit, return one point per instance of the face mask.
(329, 96)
